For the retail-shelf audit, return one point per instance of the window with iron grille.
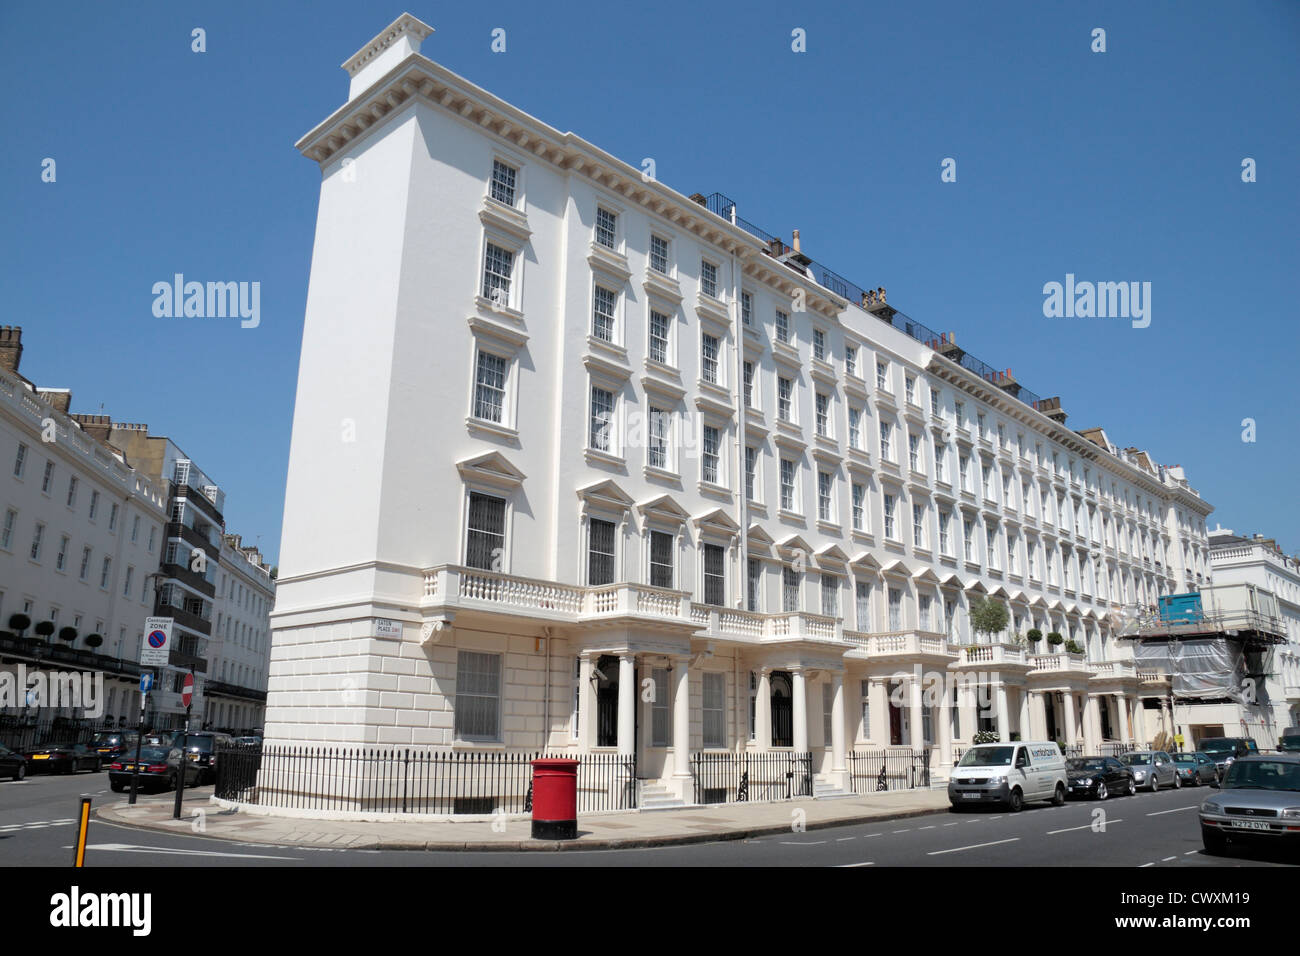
(661, 559)
(503, 182)
(890, 505)
(714, 709)
(789, 589)
(753, 577)
(657, 446)
(783, 389)
(787, 484)
(709, 459)
(751, 465)
(478, 696)
(602, 419)
(714, 574)
(830, 595)
(749, 384)
(859, 507)
(498, 267)
(746, 308)
(600, 552)
(824, 487)
(659, 254)
(661, 712)
(486, 532)
(918, 526)
(604, 304)
(819, 345)
(606, 223)
(709, 358)
(782, 326)
(708, 278)
(490, 387)
(862, 595)
(659, 326)
(886, 441)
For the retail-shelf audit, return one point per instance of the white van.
(1009, 774)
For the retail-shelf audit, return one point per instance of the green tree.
(988, 617)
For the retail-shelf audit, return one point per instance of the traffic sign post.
(187, 698)
(156, 647)
(146, 684)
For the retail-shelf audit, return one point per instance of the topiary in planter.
(1073, 647)
(20, 623)
(94, 640)
(68, 634)
(1033, 635)
(1055, 639)
(45, 628)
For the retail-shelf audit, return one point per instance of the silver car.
(1259, 801)
(1152, 769)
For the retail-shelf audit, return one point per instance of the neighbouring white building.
(240, 652)
(1254, 559)
(80, 533)
(579, 462)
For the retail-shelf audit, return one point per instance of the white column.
(1070, 728)
(1139, 723)
(837, 722)
(1121, 705)
(1026, 727)
(1004, 715)
(879, 706)
(799, 704)
(626, 702)
(1038, 707)
(916, 735)
(586, 704)
(966, 704)
(1091, 724)
(682, 717)
(763, 710)
(943, 733)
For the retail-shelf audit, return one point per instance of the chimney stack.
(399, 40)
(11, 347)
(796, 241)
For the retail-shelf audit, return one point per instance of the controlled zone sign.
(156, 648)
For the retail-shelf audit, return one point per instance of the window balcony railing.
(991, 655)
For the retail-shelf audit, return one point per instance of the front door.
(607, 701)
(1049, 707)
(782, 710)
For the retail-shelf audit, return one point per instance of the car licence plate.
(40, 756)
(970, 796)
(194, 756)
(1250, 825)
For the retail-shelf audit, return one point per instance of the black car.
(1289, 742)
(1224, 750)
(62, 758)
(159, 770)
(111, 744)
(201, 749)
(1098, 777)
(12, 764)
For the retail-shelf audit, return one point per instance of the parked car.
(62, 758)
(158, 739)
(110, 743)
(1098, 777)
(1259, 802)
(1289, 742)
(12, 763)
(1224, 750)
(1152, 769)
(201, 749)
(159, 770)
(1196, 768)
(249, 741)
(1009, 774)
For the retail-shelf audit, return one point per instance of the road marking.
(866, 835)
(802, 843)
(130, 848)
(908, 830)
(1174, 810)
(842, 839)
(1168, 858)
(931, 827)
(1145, 865)
(957, 824)
(975, 846)
(1086, 826)
(855, 864)
(1191, 852)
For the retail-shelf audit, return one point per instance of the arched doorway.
(782, 709)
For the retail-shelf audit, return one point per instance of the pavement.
(602, 831)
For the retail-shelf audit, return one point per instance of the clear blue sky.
(1115, 166)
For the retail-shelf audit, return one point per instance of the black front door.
(782, 710)
(607, 702)
(1049, 705)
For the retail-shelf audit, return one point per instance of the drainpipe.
(742, 501)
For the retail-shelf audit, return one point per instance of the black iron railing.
(1114, 749)
(24, 733)
(895, 768)
(726, 777)
(405, 780)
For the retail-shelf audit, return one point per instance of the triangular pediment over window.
(491, 469)
(718, 520)
(663, 508)
(605, 496)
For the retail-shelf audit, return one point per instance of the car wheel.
(1132, 788)
(1102, 793)
(117, 787)
(21, 772)
(1016, 802)
(1155, 784)
(1058, 798)
(1215, 842)
(1178, 782)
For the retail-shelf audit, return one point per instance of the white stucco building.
(240, 650)
(561, 430)
(80, 533)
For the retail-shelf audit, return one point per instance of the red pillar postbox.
(555, 799)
